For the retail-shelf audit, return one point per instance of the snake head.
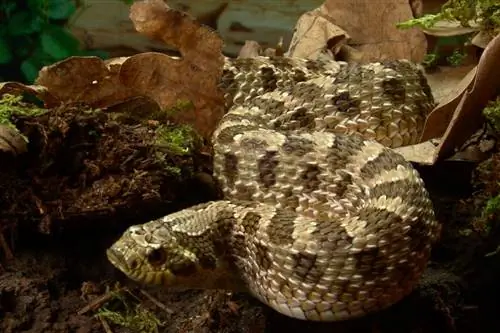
(170, 252)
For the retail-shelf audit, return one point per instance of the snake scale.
(319, 220)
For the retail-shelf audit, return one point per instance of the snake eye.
(157, 257)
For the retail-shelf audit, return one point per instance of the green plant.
(34, 34)
(13, 105)
(481, 15)
(492, 114)
(125, 309)
(484, 13)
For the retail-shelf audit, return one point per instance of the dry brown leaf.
(421, 153)
(314, 33)
(439, 118)
(372, 28)
(468, 116)
(83, 79)
(250, 49)
(11, 141)
(194, 77)
(41, 92)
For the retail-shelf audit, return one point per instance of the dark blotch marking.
(350, 73)
(306, 268)
(343, 148)
(185, 268)
(262, 253)
(253, 143)
(250, 223)
(228, 133)
(310, 177)
(314, 66)
(386, 160)
(267, 168)
(298, 76)
(379, 219)
(269, 80)
(302, 115)
(343, 184)
(207, 261)
(395, 89)
(344, 102)
(281, 227)
(230, 167)
(297, 145)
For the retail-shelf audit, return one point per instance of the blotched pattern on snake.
(318, 221)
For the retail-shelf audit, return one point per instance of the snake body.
(319, 220)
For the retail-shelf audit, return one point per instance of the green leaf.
(24, 23)
(58, 42)
(59, 9)
(7, 7)
(30, 68)
(5, 51)
(23, 46)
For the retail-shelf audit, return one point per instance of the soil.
(54, 275)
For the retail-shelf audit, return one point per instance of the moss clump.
(179, 140)
(126, 311)
(486, 13)
(13, 105)
(492, 114)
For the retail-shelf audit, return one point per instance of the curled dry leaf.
(372, 28)
(438, 120)
(468, 116)
(194, 77)
(314, 34)
(41, 92)
(83, 79)
(11, 141)
(250, 49)
(166, 80)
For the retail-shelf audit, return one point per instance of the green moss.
(178, 139)
(486, 13)
(120, 311)
(492, 114)
(492, 206)
(12, 105)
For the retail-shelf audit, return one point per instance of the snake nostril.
(134, 264)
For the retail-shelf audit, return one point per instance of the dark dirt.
(54, 276)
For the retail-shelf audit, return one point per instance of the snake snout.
(118, 260)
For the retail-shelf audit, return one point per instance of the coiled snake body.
(319, 221)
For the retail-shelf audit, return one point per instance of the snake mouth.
(117, 260)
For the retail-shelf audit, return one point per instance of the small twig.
(96, 303)
(156, 302)
(105, 325)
